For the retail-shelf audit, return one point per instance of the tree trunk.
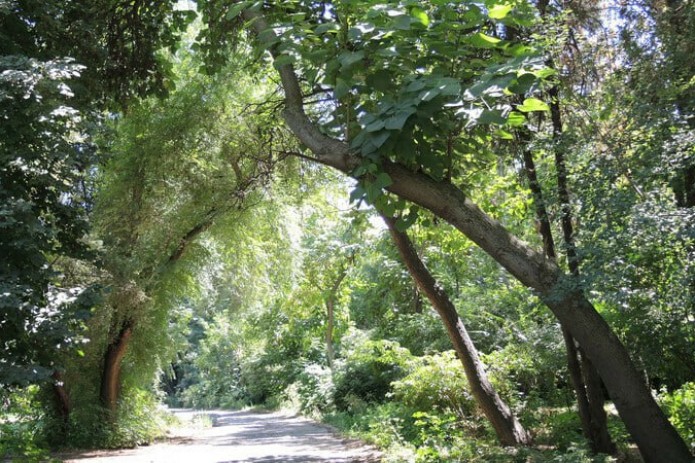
(656, 438)
(508, 429)
(330, 352)
(111, 375)
(598, 434)
(592, 415)
(417, 300)
(62, 399)
(600, 437)
(330, 321)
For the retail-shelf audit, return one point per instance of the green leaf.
(499, 11)
(382, 181)
(381, 80)
(481, 40)
(350, 58)
(357, 194)
(503, 134)
(398, 120)
(402, 22)
(375, 126)
(236, 10)
(341, 88)
(420, 15)
(379, 138)
(491, 116)
(326, 27)
(516, 119)
(523, 84)
(429, 94)
(533, 104)
(404, 222)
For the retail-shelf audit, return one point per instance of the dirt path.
(239, 436)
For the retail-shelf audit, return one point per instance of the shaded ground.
(241, 436)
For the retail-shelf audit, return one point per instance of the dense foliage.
(169, 231)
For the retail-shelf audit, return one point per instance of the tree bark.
(330, 352)
(656, 438)
(592, 415)
(61, 396)
(508, 429)
(111, 375)
(330, 321)
(597, 425)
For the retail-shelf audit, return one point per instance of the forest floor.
(222, 436)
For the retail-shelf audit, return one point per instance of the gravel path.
(242, 436)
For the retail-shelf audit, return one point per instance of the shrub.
(368, 373)
(315, 389)
(22, 425)
(436, 381)
(140, 420)
(521, 371)
(263, 381)
(680, 407)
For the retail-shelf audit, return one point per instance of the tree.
(507, 427)
(53, 61)
(43, 154)
(420, 176)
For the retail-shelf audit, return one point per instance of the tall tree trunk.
(592, 415)
(330, 320)
(508, 429)
(330, 316)
(656, 438)
(111, 374)
(598, 425)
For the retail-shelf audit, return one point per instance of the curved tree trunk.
(508, 429)
(111, 375)
(656, 438)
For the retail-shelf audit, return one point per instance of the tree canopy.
(192, 195)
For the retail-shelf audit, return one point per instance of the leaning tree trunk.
(111, 374)
(655, 436)
(508, 429)
(592, 415)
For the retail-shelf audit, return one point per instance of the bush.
(140, 420)
(368, 373)
(22, 426)
(315, 389)
(264, 381)
(520, 372)
(680, 407)
(436, 382)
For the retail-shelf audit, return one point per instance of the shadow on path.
(242, 436)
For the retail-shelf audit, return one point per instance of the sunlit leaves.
(499, 11)
(533, 104)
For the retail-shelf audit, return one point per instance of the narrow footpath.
(241, 436)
